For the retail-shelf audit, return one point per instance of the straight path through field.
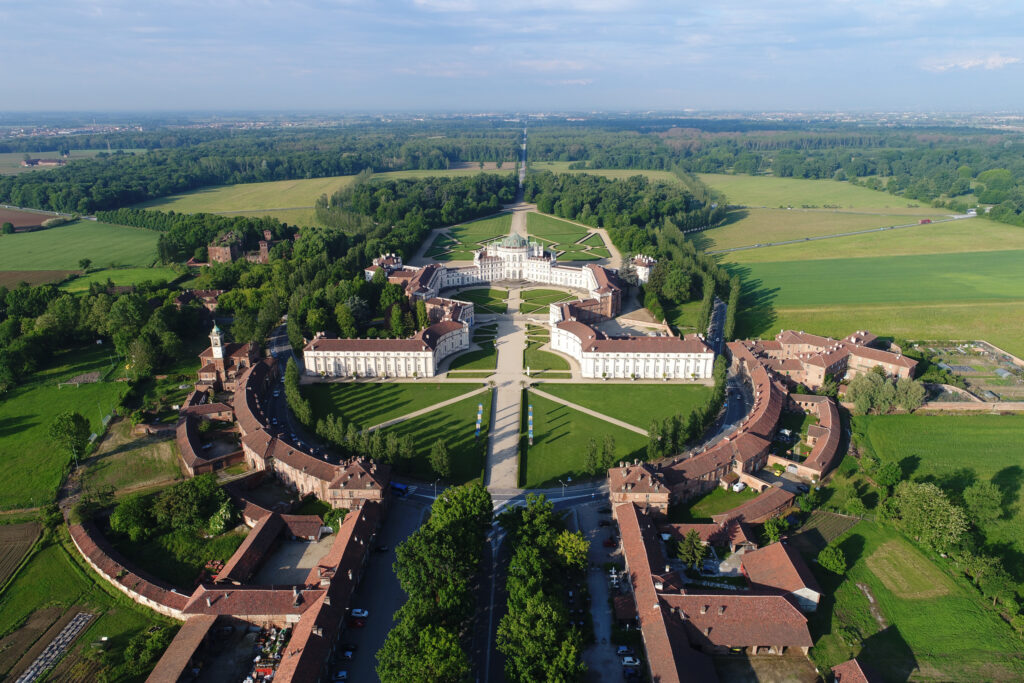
(503, 455)
(588, 411)
(428, 409)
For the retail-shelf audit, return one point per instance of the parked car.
(360, 613)
(631, 673)
(738, 486)
(347, 656)
(357, 623)
(624, 651)
(630, 661)
(341, 676)
(349, 647)
(803, 488)
(604, 522)
(382, 548)
(609, 543)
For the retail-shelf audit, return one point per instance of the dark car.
(349, 647)
(803, 488)
(357, 622)
(382, 548)
(623, 651)
(347, 655)
(609, 543)
(604, 522)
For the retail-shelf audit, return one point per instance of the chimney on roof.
(208, 603)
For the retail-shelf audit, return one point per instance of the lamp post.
(564, 484)
(435, 488)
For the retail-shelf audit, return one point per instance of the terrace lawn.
(485, 300)
(52, 577)
(937, 627)
(257, 198)
(533, 300)
(554, 229)
(543, 362)
(61, 248)
(712, 503)
(636, 404)
(33, 466)
(956, 451)
(477, 231)
(768, 191)
(484, 358)
(953, 237)
(747, 227)
(560, 440)
(456, 424)
(368, 404)
(120, 277)
(613, 173)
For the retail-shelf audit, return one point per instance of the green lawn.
(613, 173)
(714, 502)
(372, 403)
(560, 440)
(178, 557)
(33, 466)
(486, 358)
(774, 192)
(636, 404)
(937, 628)
(474, 232)
(61, 248)
(533, 300)
(956, 451)
(485, 300)
(279, 194)
(554, 229)
(542, 362)
(125, 461)
(53, 578)
(456, 424)
(119, 276)
(595, 240)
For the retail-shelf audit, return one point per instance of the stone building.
(222, 364)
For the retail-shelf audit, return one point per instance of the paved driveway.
(602, 664)
(379, 591)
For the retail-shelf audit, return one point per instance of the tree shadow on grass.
(953, 482)
(14, 425)
(909, 465)
(757, 316)
(1009, 480)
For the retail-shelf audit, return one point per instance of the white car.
(630, 661)
(360, 613)
(738, 486)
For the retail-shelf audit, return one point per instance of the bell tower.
(217, 342)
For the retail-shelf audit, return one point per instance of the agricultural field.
(15, 541)
(954, 452)
(918, 622)
(820, 529)
(456, 424)
(538, 300)
(560, 441)
(768, 191)
(120, 277)
(12, 278)
(24, 218)
(53, 583)
(747, 227)
(485, 301)
(259, 199)
(10, 162)
(128, 462)
(613, 173)
(61, 248)
(928, 296)
(368, 404)
(33, 466)
(636, 404)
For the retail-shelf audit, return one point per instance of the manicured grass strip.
(486, 300)
(560, 440)
(372, 403)
(600, 252)
(549, 227)
(456, 424)
(579, 256)
(120, 277)
(952, 637)
(482, 229)
(774, 192)
(484, 359)
(540, 361)
(460, 374)
(594, 240)
(33, 465)
(636, 404)
(61, 248)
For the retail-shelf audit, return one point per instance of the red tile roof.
(852, 671)
(251, 601)
(739, 620)
(254, 548)
(756, 510)
(779, 566)
(178, 654)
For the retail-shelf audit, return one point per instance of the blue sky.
(512, 55)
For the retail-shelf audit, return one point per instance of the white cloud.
(988, 63)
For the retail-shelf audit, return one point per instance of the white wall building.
(417, 356)
(643, 266)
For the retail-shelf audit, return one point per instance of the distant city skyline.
(543, 55)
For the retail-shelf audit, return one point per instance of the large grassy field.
(128, 462)
(613, 173)
(747, 227)
(560, 436)
(52, 578)
(372, 403)
(773, 192)
(956, 451)
(32, 464)
(636, 404)
(456, 424)
(928, 625)
(554, 229)
(257, 198)
(119, 276)
(61, 248)
(10, 162)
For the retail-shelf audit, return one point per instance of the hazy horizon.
(436, 56)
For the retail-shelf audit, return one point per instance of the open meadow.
(368, 404)
(768, 191)
(560, 436)
(902, 615)
(61, 248)
(127, 462)
(613, 173)
(636, 404)
(10, 162)
(120, 277)
(33, 465)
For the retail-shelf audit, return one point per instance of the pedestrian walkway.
(588, 411)
(503, 455)
(56, 648)
(428, 409)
